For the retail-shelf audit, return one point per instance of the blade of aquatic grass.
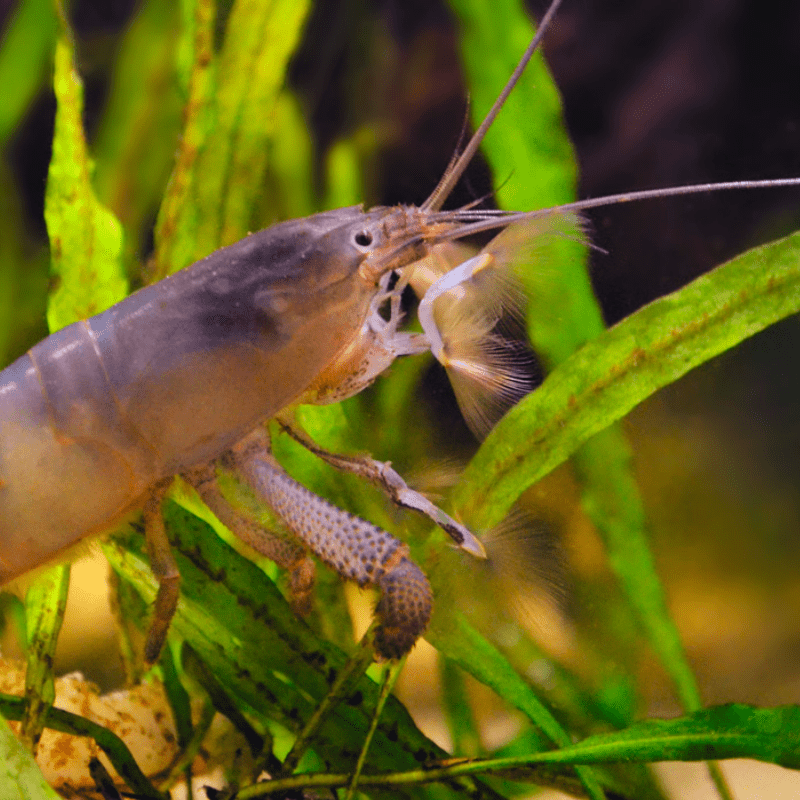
(232, 101)
(179, 217)
(85, 237)
(20, 776)
(563, 312)
(137, 135)
(604, 380)
(452, 634)
(45, 603)
(27, 46)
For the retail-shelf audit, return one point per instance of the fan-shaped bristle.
(489, 372)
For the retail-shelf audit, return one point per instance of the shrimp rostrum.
(96, 419)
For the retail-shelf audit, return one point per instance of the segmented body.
(170, 377)
(94, 418)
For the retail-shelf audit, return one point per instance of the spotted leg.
(382, 474)
(287, 554)
(356, 549)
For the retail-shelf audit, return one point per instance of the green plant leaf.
(24, 58)
(563, 312)
(85, 237)
(45, 603)
(771, 735)
(233, 100)
(20, 776)
(533, 164)
(730, 731)
(462, 644)
(610, 375)
(529, 138)
(178, 216)
(259, 39)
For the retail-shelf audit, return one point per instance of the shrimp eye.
(363, 239)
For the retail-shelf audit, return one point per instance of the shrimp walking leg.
(382, 474)
(162, 562)
(355, 548)
(287, 554)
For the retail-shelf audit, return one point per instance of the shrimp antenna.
(500, 219)
(456, 169)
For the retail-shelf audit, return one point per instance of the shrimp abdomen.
(65, 471)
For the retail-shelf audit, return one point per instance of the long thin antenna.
(501, 219)
(456, 170)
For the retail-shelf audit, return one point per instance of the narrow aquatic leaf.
(259, 40)
(85, 237)
(233, 99)
(730, 731)
(563, 312)
(563, 315)
(771, 735)
(461, 643)
(27, 45)
(531, 123)
(19, 774)
(179, 217)
(733, 731)
(611, 374)
(177, 696)
(533, 163)
(45, 604)
(137, 135)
